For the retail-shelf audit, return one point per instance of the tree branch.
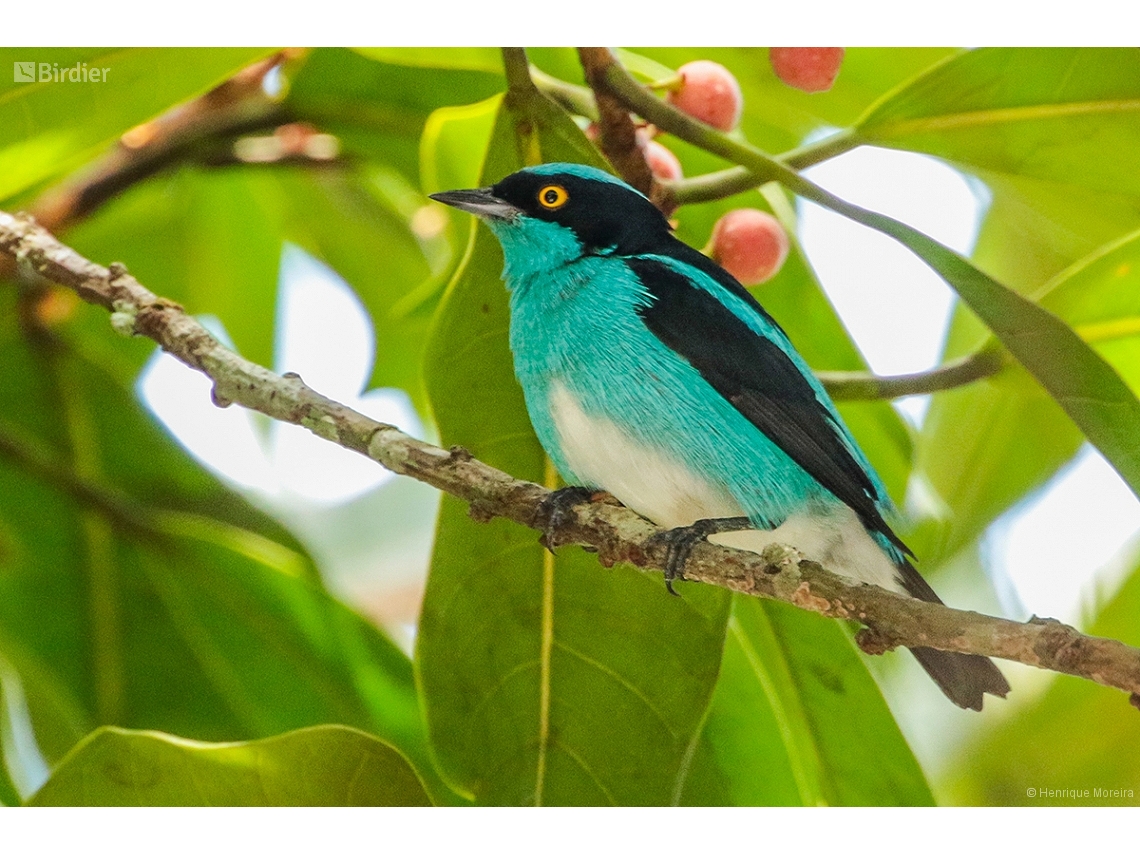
(617, 135)
(203, 127)
(615, 532)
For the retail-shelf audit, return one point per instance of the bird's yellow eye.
(553, 196)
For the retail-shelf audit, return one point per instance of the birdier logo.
(51, 72)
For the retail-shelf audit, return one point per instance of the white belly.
(665, 490)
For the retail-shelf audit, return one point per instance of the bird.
(650, 373)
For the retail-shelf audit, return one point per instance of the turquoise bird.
(651, 373)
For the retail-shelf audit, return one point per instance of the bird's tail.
(963, 677)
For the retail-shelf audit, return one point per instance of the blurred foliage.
(342, 767)
(149, 613)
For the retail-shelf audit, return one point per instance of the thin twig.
(616, 533)
(861, 386)
(736, 179)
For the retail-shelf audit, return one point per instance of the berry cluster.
(750, 244)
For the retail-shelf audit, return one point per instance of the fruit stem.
(667, 84)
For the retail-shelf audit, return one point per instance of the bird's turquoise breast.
(576, 326)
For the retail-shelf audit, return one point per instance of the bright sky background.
(1043, 553)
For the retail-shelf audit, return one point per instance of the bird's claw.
(679, 543)
(556, 509)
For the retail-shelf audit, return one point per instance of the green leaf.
(174, 603)
(986, 446)
(1100, 295)
(318, 766)
(454, 144)
(545, 680)
(983, 448)
(378, 109)
(1034, 229)
(806, 713)
(51, 126)
(1063, 114)
(489, 59)
(1079, 380)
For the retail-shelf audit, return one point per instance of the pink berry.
(749, 244)
(662, 162)
(812, 69)
(710, 93)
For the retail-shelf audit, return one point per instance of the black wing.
(756, 377)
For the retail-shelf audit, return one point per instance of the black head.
(606, 214)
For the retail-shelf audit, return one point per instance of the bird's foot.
(679, 542)
(557, 509)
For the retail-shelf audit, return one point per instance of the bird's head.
(549, 215)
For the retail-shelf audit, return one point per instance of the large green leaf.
(545, 680)
(984, 447)
(1064, 114)
(137, 591)
(798, 722)
(46, 127)
(454, 145)
(1034, 229)
(1100, 295)
(1078, 379)
(327, 766)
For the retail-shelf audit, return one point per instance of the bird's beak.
(482, 203)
